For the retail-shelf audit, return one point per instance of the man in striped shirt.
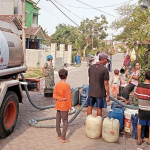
(143, 94)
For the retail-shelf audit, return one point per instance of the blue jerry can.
(134, 121)
(117, 113)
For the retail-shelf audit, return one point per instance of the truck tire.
(8, 114)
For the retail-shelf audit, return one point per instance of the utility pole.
(23, 30)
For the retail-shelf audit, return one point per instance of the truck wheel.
(8, 114)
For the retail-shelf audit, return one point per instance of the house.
(14, 23)
(34, 33)
(34, 36)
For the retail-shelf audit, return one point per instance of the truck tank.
(11, 52)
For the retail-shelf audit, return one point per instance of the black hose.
(28, 95)
(34, 122)
(124, 105)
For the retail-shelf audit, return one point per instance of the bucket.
(127, 118)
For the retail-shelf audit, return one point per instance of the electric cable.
(48, 10)
(96, 8)
(63, 12)
(67, 9)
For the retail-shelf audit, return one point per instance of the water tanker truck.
(11, 64)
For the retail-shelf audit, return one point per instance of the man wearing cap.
(98, 85)
(48, 72)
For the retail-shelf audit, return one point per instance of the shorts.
(100, 102)
(144, 122)
(115, 89)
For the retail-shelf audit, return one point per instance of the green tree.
(66, 34)
(92, 31)
(124, 12)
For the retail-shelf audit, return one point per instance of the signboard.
(4, 52)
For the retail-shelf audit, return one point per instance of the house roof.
(34, 31)
(34, 3)
(12, 18)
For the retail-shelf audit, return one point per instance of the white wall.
(6, 7)
(37, 58)
(15, 29)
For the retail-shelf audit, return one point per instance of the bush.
(143, 71)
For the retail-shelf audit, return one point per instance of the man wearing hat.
(98, 85)
(48, 72)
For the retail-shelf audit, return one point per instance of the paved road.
(25, 137)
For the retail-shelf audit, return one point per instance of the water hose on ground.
(34, 122)
(28, 95)
(122, 104)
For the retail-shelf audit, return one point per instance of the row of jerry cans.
(108, 129)
(84, 95)
(79, 96)
(117, 112)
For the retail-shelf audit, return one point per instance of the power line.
(67, 9)
(96, 9)
(48, 10)
(62, 12)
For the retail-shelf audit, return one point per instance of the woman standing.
(48, 72)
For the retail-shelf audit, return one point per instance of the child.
(116, 81)
(143, 94)
(62, 94)
(65, 67)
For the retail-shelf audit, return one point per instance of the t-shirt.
(97, 75)
(62, 90)
(116, 80)
(143, 94)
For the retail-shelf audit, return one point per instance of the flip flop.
(139, 143)
(148, 143)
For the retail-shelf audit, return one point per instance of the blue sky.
(50, 16)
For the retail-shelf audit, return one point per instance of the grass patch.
(34, 73)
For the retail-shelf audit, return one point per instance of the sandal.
(139, 143)
(148, 143)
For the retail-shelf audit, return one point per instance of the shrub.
(142, 72)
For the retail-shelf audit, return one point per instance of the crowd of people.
(99, 91)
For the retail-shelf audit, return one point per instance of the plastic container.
(74, 96)
(83, 97)
(93, 128)
(110, 131)
(127, 119)
(117, 113)
(115, 105)
(134, 121)
(77, 59)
